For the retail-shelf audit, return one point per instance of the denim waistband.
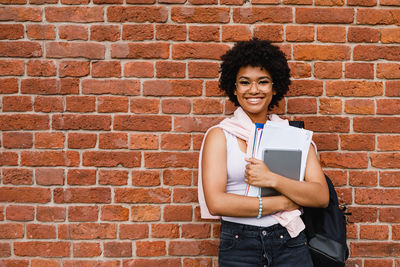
(275, 230)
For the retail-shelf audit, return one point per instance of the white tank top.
(236, 165)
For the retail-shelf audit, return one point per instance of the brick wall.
(104, 103)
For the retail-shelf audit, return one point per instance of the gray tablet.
(285, 162)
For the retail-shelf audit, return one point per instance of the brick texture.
(104, 105)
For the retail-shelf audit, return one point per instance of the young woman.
(255, 231)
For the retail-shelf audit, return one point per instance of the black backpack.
(326, 229)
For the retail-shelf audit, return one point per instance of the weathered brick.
(378, 16)
(331, 34)
(41, 32)
(164, 230)
(143, 141)
(142, 123)
(86, 249)
(113, 140)
(178, 213)
(139, 69)
(50, 214)
(362, 35)
(375, 52)
(142, 195)
(82, 195)
(81, 231)
(48, 104)
(138, 32)
(330, 106)
(145, 178)
(73, 32)
(263, 14)
(81, 122)
(17, 176)
(354, 88)
(133, 231)
(150, 248)
(19, 13)
(193, 248)
(43, 249)
(75, 50)
(146, 213)
(74, 14)
(114, 87)
(321, 52)
(198, 50)
(344, 160)
(175, 141)
(200, 15)
(113, 177)
(172, 88)
(17, 140)
(49, 176)
(103, 33)
(140, 50)
(114, 213)
(171, 32)
(82, 214)
(23, 49)
(111, 159)
(233, 33)
(39, 231)
(390, 35)
(81, 177)
(363, 178)
(138, 14)
(297, 33)
(359, 106)
(81, 140)
(357, 142)
(205, 33)
(170, 69)
(324, 15)
(376, 124)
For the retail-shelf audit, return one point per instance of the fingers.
(253, 160)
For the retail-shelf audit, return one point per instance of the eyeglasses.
(262, 85)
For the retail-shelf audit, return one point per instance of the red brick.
(42, 68)
(11, 67)
(46, 176)
(305, 88)
(324, 15)
(80, 103)
(233, 33)
(17, 103)
(392, 88)
(11, 31)
(302, 105)
(48, 104)
(112, 104)
(14, 263)
(25, 195)
(82, 195)
(49, 158)
(50, 214)
(81, 177)
(170, 69)
(11, 230)
(378, 263)
(330, 106)
(176, 106)
(389, 178)
(354, 88)
(20, 49)
(75, 50)
(262, 14)
(378, 16)
(300, 69)
(321, 52)
(81, 231)
(344, 160)
(43, 249)
(142, 195)
(385, 160)
(5, 250)
(362, 2)
(388, 106)
(374, 232)
(86, 249)
(103, 33)
(138, 14)
(111, 159)
(195, 124)
(140, 50)
(145, 178)
(377, 124)
(17, 176)
(196, 230)
(139, 69)
(167, 262)
(146, 213)
(207, 106)
(170, 159)
(203, 70)
(326, 123)
(390, 35)
(118, 249)
(106, 69)
(8, 86)
(175, 141)
(138, 32)
(49, 140)
(8, 158)
(331, 34)
(74, 14)
(363, 178)
(41, 32)
(204, 33)
(375, 52)
(185, 195)
(73, 32)
(357, 142)
(115, 87)
(198, 51)
(362, 35)
(172, 88)
(200, 15)
(193, 248)
(359, 70)
(133, 231)
(363, 214)
(143, 141)
(113, 140)
(326, 141)
(20, 213)
(75, 2)
(114, 213)
(144, 105)
(389, 3)
(107, 2)
(375, 249)
(14, 13)
(388, 71)
(329, 3)
(191, 262)
(359, 106)
(177, 177)
(377, 196)
(81, 122)
(391, 215)
(81, 140)
(113, 177)
(50, 86)
(171, 32)
(142, 123)
(196, 2)
(86, 263)
(164, 230)
(150, 248)
(338, 177)
(82, 213)
(17, 139)
(177, 213)
(39, 231)
(297, 33)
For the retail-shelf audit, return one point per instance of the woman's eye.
(244, 82)
(264, 82)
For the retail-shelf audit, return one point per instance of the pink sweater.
(241, 126)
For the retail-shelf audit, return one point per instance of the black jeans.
(251, 246)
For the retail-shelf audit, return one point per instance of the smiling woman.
(255, 76)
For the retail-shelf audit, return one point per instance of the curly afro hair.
(255, 53)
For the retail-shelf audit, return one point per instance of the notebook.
(285, 162)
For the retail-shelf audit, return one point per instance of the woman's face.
(254, 92)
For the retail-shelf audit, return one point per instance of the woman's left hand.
(258, 174)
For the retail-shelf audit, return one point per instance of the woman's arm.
(311, 193)
(214, 178)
